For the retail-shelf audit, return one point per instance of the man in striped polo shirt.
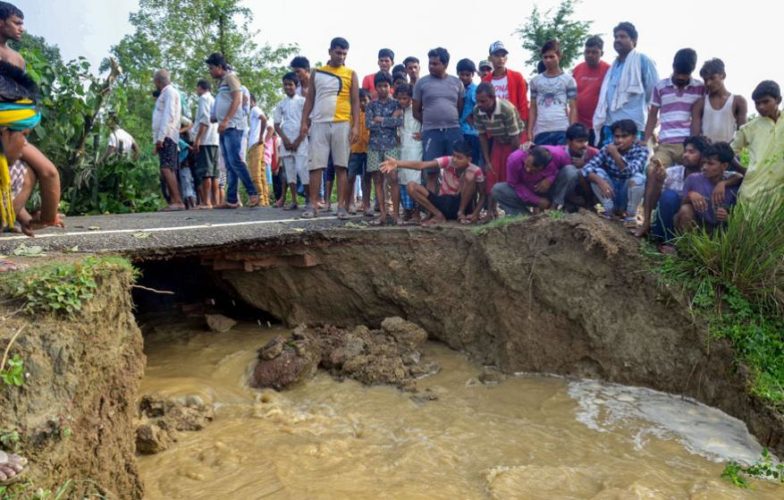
(496, 119)
(671, 105)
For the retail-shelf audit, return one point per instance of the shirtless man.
(11, 28)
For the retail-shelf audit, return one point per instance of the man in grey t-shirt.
(231, 124)
(438, 104)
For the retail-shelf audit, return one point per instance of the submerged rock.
(283, 363)
(219, 323)
(161, 419)
(385, 356)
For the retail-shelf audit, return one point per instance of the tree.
(559, 25)
(179, 35)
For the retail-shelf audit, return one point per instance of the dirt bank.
(74, 412)
(560, 295)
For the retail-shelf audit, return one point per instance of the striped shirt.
(635, 158)
(675, 108)
(504, 121)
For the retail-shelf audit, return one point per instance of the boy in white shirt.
(293, 153)
(410, 150)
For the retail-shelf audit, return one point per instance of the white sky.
(745, 35)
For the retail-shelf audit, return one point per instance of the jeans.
(508, 200)
(550, 138)
(663, 226)
(476, 149)
(236, 169)
(625, 196)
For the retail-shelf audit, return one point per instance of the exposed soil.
(74, 412)
(568, 296)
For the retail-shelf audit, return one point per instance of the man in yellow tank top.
(331, 121)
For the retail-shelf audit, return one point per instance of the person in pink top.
(589, 76)
(460, 182)
(535, 179)
(386, 59)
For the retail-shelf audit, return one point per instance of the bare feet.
(642, 231)
(11, 467)
(173, 208)
(434, 221)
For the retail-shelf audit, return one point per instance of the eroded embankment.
(569, 296)
(72, 416)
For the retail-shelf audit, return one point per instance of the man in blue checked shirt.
(617, 173)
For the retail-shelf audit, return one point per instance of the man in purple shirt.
(700, 206)
(540, 177)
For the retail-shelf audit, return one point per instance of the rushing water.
(525, 437)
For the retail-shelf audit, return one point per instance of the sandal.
(293, 206)
(309, 214)
(378, 221)
(342, 213)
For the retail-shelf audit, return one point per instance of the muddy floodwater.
(524, 437)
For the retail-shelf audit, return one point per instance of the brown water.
(526, 437)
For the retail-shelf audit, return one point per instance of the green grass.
(61, 288)
(734, 279)
(499, 223)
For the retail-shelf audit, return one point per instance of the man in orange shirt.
(589, 76)
(386, 59)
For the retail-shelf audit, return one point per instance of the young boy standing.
(294, 153)
(720, 114)
(410, 150)
(466, 71)
(460, 182)
(357, 160)
(617, 173)
(553, 95)
(382, 118)
(699, 206)
(764, 138)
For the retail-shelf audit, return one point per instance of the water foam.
(701, 429)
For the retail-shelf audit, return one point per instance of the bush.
(734, 278)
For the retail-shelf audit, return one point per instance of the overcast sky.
(744, 35)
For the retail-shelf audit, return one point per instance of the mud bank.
(568, 296)
(74, 412)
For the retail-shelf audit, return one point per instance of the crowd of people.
(658, 155)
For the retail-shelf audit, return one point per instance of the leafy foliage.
(13, 373)
(737, 474)
(172, 34)
(58, 288)
(559, 25)
(735, 278)
(179, 35)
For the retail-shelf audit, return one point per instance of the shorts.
(186, 183)
(206, 163)
(448, 204)
(376, 158)
(168, 154)
(296, 166)
(357, 164)
(668, 154)
(326, 139)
